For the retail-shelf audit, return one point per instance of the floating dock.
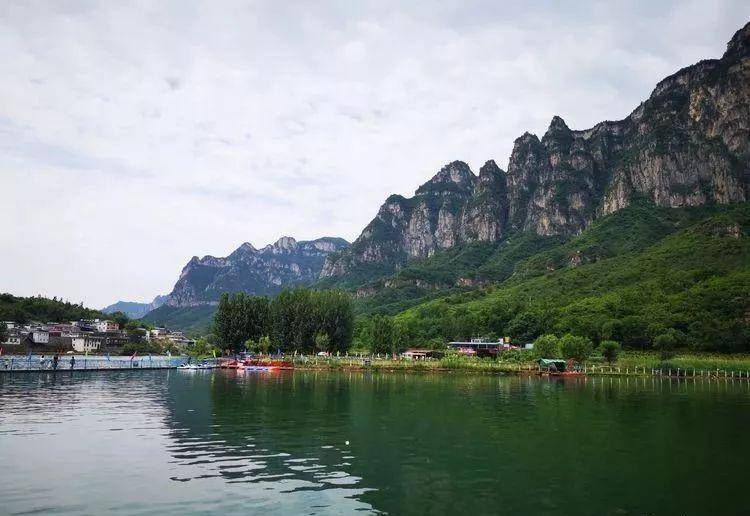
(37, 364)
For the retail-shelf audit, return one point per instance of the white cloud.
(135, 136)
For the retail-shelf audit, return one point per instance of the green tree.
(576, 347)
(610, 349)
(203, 349)
(322, 342)
(334, 318)
(382, 334)
(294, 321)
(547, 346)
(3, 331)
(240, 318)
(667, 342)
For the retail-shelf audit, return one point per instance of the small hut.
(552, 365)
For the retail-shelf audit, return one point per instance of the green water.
(173, 442)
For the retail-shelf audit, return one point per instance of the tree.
(240, 318)
(576, 347)
(203, 349)
(666, 343)
(547, 346)
(382, 334)
(610, 349)
(136, 335)
(294, 321)
(322, 341)
(529, 324)
(334, 318)
(3, 331)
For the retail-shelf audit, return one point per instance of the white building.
(85, 343)
(40, 337)
(107, 326)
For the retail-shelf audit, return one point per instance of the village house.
(479, 347)
(107, 326)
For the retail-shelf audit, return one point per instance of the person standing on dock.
(41, 362)
(72, 363)
(55, 361)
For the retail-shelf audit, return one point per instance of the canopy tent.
(552, 364)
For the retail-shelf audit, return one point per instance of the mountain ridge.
(687, 144)
(265, 271)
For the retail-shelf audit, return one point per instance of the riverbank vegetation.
(299, 320)
(630, 362)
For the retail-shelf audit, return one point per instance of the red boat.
(230, 363)
(267, 364)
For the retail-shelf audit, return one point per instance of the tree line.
(297, 320)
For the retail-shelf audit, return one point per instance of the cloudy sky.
(134, 135)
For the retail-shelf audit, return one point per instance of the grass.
(629, 361)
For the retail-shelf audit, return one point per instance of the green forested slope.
(630, 276)
(40, 309)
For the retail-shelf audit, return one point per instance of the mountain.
(631, 275)
(264, 271)
(285, 263)
(133, 309)
(688, 144)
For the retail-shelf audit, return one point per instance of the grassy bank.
(628, 362)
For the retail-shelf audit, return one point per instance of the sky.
(134, 135)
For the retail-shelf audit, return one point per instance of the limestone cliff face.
(254, 271)
(687, 144)
(453, 207)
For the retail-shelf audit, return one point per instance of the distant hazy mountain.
(284, 263)
(133, 309)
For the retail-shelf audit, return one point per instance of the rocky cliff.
(687, 144)
(255, 271)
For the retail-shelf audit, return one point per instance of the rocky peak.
(284, 244)
(558, 137)
(491, 177)
(739, 46)
(455, 175)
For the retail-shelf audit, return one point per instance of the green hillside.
(192, 319)
(40, 309)
(630, 276)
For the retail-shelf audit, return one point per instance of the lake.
(177, 442)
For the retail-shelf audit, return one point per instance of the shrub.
(575, 347)
(547, 346)
(665, 344)
(610, 349)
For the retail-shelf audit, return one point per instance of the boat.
(196, 367)
(265, 364)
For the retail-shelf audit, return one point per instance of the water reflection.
(320, 443)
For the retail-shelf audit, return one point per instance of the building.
(17, 341)
(86, 343)
(421, 354)
(478, 347)
(39, 336)
(107, 326)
